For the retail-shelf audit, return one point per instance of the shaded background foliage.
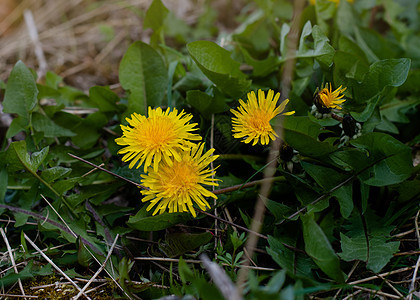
(356, 200)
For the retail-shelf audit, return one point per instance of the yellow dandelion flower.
(331, 99)
(179, 183)
(313, 2)
(163, 134)
(252, 120)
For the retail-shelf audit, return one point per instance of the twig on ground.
(192, 261)
(87, 249)
(12, 259)
(105, 170)
(382, 274)
(375, 292)
(416, 268)
(18, 296)
(53, 264)
(99, 270)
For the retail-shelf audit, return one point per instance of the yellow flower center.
(183, 176)
(259, 121)
(158, 133)
(326, 97)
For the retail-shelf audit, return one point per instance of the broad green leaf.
(279, 210)
(52, 80)
(396, 110)
(142, 221)
(382, 75)
(216, 63)
(88, 130)
(387, 72)
(18, 124)
(55, 173)
(296, 264)
(302, 134)
(178, 243)
(143, 73)
(261, 67)
(155, 15)
(206, 104)
(320, 250)
(393, 162)
(328, 179)
(42, 123)
(21, 92)
(18, 157)
(354, 247)
(104, 99)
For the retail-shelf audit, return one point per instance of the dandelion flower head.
(252, 120)
(180, 183)
(313, 2)
(331, 99)
(159, 137)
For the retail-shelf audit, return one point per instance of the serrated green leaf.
(18, 157)
(143, 73)
(216, 63)
(354, 247)
(21, 92)
(320, 250)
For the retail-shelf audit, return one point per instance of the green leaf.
(294, 263)
(21, 92)
(279, 210)
(18, 157)
(143, 73)
(104, 98)
(302, 134)
(320, 49)
(206, 104)
(387, 72)
(4, 178)
(328, 179)
(155, 15)
(216, 63)
(261, 67)
(141, 221)
(18, 124)
(178, 243)
(55, 173)
(354, 247)
(52, 80)
(320, 250)
(393, 159)
(42, 123)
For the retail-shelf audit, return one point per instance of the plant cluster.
(344, 189)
